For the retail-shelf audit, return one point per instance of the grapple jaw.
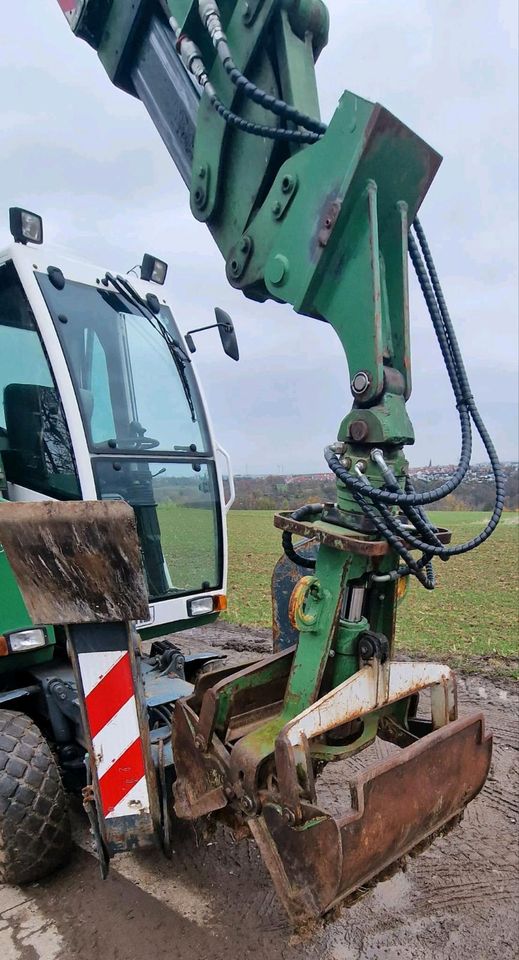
(396, 805)
(265, 779)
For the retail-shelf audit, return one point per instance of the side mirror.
(227, 334)
(190, 343)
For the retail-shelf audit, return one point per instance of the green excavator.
(325, 218)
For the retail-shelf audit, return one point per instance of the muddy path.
(215, 899)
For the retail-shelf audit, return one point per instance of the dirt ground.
(215, 901)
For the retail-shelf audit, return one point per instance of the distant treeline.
(281, 493)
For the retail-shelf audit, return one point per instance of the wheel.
(34, 823)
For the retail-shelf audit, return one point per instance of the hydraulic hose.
(309, 512)
(257, 129)
(424, 536)
(192, 60)
(210, 16)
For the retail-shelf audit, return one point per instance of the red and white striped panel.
(114, 728)
(72, 10)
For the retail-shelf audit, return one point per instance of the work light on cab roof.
(25, 227)
(153, 269)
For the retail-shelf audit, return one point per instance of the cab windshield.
(133, 381)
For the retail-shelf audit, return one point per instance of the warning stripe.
(135, 801)
(111, 742)
(122, 777)
(110, 694)
(95, 666)
(114, 728)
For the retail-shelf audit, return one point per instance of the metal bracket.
(289, 185)
(238, 259)
(374, 686)
(200, 185)
(89, 806)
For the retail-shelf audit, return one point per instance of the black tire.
(34, 823)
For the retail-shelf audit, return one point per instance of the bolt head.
(247, 804)
(278, 270)
(366, 649)
(360, 383)
(359, 431)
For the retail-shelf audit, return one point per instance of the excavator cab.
(82, 418)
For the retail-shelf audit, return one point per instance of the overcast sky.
(87, 157)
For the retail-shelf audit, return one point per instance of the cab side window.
(35, 443)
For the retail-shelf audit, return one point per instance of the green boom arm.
(322, 226)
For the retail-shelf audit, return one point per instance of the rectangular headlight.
(25, 640)
(200, 606)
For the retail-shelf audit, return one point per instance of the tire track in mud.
(215, 900)
(457, 897)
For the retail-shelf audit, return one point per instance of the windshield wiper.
(180, 357)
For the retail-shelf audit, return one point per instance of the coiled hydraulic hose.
(409, 501)
(210, 16)
(309, 512)
(257, 129)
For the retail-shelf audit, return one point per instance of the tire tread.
(34, 823)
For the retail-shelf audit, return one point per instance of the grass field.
(470, 619)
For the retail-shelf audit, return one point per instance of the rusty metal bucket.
(396, 805)
(241, 757)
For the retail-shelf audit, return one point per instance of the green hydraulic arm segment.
(317, 217)
(322, 226)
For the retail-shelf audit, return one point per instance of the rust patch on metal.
(340, 538)
(331, 215)
(333, 536)
(245, 697)
(199, 787)
(76, 562)
(396, 806)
